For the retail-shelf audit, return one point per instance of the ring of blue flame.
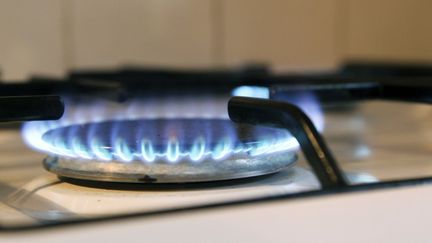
(170, 140)
(202, 107)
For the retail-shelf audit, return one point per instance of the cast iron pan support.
(284, 115)
(30, 108)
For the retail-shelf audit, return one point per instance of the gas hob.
(373, 143)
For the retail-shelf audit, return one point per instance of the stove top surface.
(372, 142)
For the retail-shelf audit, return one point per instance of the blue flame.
(97, 131)
(197, 151)
(252, 91)
(99, 151)
(173, 149)
(147, 151)
(170, 140)
(79, 148)
(222, 149)
(122, 150)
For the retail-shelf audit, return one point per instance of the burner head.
(168, 150)
(235, 167)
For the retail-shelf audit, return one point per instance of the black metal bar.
(408, 89)
(139, 80)
(412, 89)
(285, 115)
(386, 69)
(30, 108)
(329, 91)
(380, 81)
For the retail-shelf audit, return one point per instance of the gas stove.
(142, 143)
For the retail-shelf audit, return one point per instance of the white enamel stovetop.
(393, 215)
(375, 141)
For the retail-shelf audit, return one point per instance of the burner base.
(239, 166)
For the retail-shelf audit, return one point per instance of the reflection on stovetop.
(389, 140)
(87, 201)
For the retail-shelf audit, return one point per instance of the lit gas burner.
(162, 139)
(167, 150)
